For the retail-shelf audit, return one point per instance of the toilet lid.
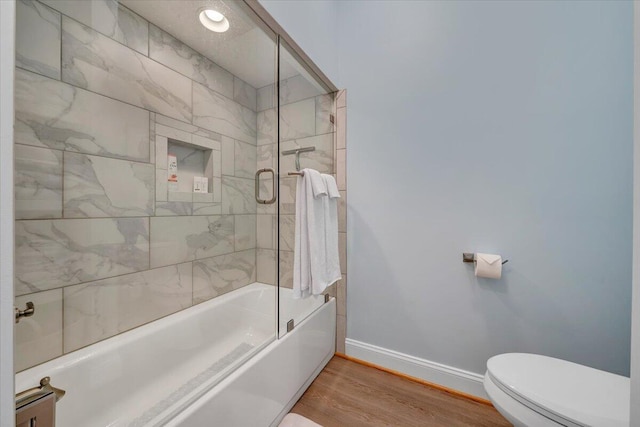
(569, 393)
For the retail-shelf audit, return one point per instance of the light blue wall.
(493, 127)
(313, 25)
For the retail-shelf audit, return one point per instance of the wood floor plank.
(352, 395)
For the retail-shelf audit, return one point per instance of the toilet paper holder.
(471, 257)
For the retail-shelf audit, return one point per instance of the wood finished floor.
(347, 394)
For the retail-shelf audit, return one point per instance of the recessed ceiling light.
(214, 20)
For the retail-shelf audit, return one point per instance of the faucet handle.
(27, 312)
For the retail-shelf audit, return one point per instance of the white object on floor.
(295, 420)
(532, 390)
(316, 260)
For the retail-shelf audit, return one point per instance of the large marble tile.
(161, 185)
(38, 38)
(286, 269)
(203, 198)
(266, 266)
(109, 18)
(321, 159)
(98, 310)
(55, 253)
(207, 208)
(173, 133)
(162, 149)
(223, 115)
(245, 233)
(244, 93)
(267, 127)
(266, 209)
(341, 333)
(287, 232)
(171, 52)
(152, 135)
(38, 183)
(180, 196)
(132, 30)
(342, 212)
(266, 156)
(217, 190)
(174, 208)
(101, 187)
(342, 249)
(266, 231)
(288, 195)
(297, 88)
(341, 128)
(341, 296)
(238, 195)
(265, 98)
(298, 120)
(39, 338)
(95, 62)
(179, 239)
(245, 160)
(341, 169)
(324, 110)
(216, 276)
(228, 155)
(176, 124)
(56, 115)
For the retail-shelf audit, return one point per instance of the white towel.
(332, 258)
(332, 187)
(318, 183)
(316, 262)
(309, 229)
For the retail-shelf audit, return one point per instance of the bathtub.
(218, 363)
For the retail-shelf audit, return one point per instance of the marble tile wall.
(102, 246)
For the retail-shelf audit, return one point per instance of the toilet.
(531, 390)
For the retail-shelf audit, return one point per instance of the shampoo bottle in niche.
(172, 171)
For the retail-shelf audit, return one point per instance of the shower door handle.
(273, 186)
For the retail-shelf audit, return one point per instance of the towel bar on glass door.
(297, 152)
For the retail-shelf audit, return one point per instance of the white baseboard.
(437, 373)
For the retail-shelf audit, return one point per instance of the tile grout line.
(137, 272)
(125, 102)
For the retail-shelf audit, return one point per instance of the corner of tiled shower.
(72, 215)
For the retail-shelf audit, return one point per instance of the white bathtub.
(216, 364)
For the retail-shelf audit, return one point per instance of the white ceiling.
(245, 49)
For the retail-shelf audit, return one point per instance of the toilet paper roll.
(489, 266)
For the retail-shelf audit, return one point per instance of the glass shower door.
(122, 108)
(307, 140)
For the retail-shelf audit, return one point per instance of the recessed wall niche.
(196, 156)
(193, 161)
